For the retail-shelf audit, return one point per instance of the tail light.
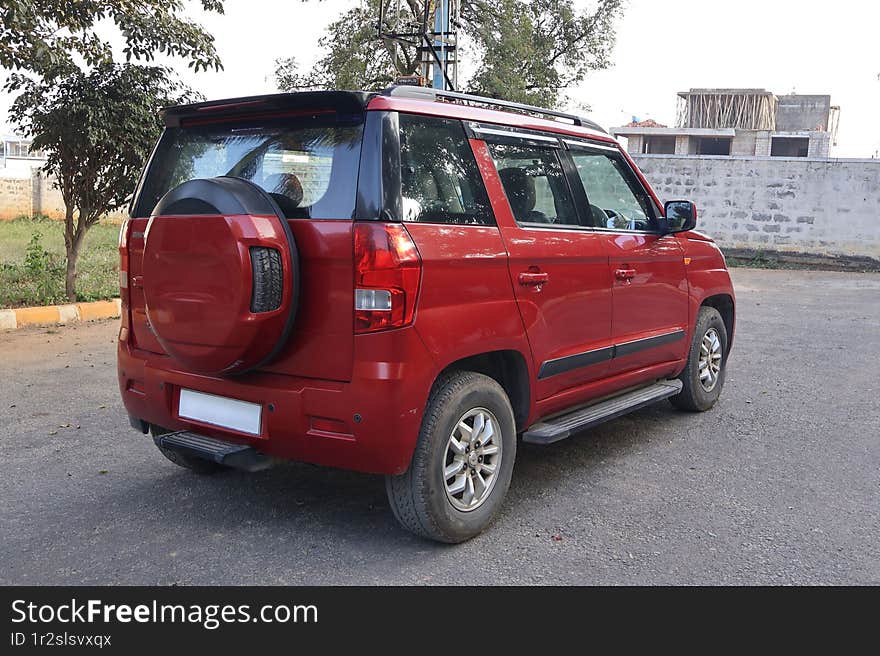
(124, 293)
(388, 270)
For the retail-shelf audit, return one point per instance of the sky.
(662, 47)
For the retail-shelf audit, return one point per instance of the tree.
(97, 128)
(527, 50)
(95, 119)
(45, 37)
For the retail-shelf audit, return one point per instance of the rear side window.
(309, 167)
(534, 183)
(439, 179)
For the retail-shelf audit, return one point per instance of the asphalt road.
(779, 483)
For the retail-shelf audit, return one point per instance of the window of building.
(20, 148)
(789, 146)
(713, 145)
(658, 145)
(440, 181)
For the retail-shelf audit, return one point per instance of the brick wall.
(820, 144)
(817, 206)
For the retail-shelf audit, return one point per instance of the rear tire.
(703, 375)
(463, 461)
(197, 465)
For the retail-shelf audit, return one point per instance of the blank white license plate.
(220, 411)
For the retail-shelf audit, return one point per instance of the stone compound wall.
(34, 195)
(828, 207)
(47, 198)
(15, 198)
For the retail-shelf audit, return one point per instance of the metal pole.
(441, 29)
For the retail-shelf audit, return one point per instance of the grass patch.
(799, 261)
(32, 263)
(759, 261)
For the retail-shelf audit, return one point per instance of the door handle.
(625, 274)
(533, 278)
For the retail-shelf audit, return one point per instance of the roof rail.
(427, 93)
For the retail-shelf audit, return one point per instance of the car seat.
(520, 189)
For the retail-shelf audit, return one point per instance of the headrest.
(520, 189)
(425, 184)
(286, 184)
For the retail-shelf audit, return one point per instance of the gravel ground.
(778, 484)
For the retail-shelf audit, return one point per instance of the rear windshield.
(309, 167)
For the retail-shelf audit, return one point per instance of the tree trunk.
(73, 237)
(70, 280)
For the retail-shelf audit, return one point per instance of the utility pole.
(433, 33)
(445, 46)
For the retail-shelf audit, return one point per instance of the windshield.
(309, 166)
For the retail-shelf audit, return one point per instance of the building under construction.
(747, 122)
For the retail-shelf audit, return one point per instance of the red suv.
(404, 283)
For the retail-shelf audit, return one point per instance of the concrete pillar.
(763, 143)
(36, 193)
(634, 144)
(682, 144)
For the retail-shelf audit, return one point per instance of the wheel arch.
(509, 369)
(725, 305)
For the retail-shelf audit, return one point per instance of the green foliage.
(96, 119)
(38, 280)
(47, 37)
(43, 269)
(535, 49)
(354, 59)
(32, 263)
(528, 50)
(97, 128)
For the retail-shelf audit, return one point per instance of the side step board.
(558, 428)
(239, 456)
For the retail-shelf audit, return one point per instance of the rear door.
(649, 285)
(558, 268)
(309, 163)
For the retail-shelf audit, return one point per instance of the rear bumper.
(368, 424)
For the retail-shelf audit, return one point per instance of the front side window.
(309, 167)
(615, 201)
(534, 183)
(440, 181)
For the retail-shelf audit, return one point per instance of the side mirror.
(681, 216)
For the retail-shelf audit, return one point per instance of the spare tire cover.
(221, 275)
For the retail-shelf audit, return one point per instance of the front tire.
(703, 375)
(463, 461)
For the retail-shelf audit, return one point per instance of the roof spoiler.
(343, 102)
